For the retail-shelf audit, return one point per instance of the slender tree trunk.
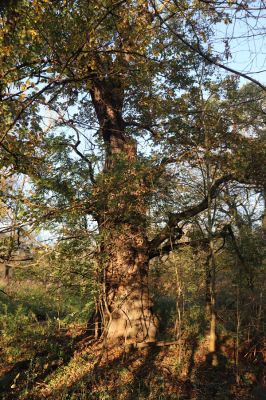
(210, 307)
(126, 304)
(207, 288)
(210, 264)
(7, 273)
(213, 338)
(264, 211)
(179, 309)
(237, 336)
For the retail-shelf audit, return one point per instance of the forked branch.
(175, 218)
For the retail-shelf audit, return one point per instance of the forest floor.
(76, 369)
(46, 358)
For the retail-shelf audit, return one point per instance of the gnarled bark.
(126, 304)
(130, 316)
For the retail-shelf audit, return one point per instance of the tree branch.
(170, 245)
(175, 218)
(196, 48)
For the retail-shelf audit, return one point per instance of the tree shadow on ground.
(213, 378)
(24, 374)
(188, 386)
(139, 383)
(124, 376)
(96, 372)
(137, 374)
(194, 343)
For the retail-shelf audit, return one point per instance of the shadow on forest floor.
(25, 374)
(91, 372)
(115, 375)
(214, 381)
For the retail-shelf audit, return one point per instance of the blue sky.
(246, 38)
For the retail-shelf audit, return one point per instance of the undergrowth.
(45, 355)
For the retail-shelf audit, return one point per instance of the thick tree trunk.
(126, 303)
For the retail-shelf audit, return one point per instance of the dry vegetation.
(46, 354)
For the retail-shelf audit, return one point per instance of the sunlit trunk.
(125, 300)
(211, 305)
(129, 317)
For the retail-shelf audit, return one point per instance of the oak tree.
(98, 108)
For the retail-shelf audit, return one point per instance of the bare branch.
(175, 218)
(196, 48)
